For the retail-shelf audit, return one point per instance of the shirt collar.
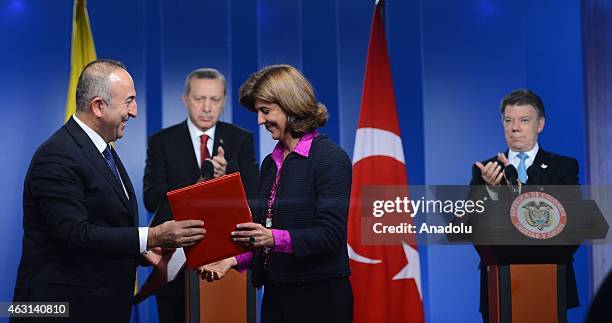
(302, 148)
(196, 132)
(512, 155)
(92, 134)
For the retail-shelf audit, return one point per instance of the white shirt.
(531, 154)
(195, 133)
(143, 232)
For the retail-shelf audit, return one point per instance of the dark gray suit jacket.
(80, 241)
(559, 170)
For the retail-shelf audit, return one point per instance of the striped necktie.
(110, 161)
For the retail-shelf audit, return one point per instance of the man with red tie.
(199, 148)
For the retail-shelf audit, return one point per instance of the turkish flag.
(386, 279)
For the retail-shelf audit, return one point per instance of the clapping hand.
(492, 173)
(219, 163)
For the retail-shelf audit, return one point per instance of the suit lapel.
(538, 168)
(128, 187)
(97, 160)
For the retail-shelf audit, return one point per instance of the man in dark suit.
(199, 148)
(81, 242)
(523, 118)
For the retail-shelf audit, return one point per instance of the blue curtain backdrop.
(597, 31)
(452, 63)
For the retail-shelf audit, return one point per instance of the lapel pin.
(544, 166)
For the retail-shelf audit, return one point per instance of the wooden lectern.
(229, 300)
(526, 276)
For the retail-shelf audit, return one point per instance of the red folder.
(221, 204)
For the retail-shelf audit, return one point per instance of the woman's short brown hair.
(286, 86)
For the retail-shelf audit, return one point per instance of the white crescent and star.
(412, 270)
(359, 258)
(371, 142)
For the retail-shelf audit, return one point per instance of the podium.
(231, 299)
(527, 261)
(221, 203)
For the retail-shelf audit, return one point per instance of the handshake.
(251, 236)
(217, 270)
(164, 238)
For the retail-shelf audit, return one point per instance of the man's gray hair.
(206, 74)
(94, 82)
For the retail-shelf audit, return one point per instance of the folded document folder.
(221, 203)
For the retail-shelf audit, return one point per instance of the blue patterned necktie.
(110, 161)
(522, 170)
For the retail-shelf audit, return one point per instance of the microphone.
(534, 178)
(511, 177)
(207, 169)
(511, 174)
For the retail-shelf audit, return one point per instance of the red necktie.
(203, 150)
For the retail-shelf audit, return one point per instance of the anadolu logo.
(538, 215)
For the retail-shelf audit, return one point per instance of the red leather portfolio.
(221, 204)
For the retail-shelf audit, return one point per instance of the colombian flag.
(83, 51)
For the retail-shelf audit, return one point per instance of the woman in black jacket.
(299, 231)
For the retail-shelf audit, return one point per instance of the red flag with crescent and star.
(386, 279)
